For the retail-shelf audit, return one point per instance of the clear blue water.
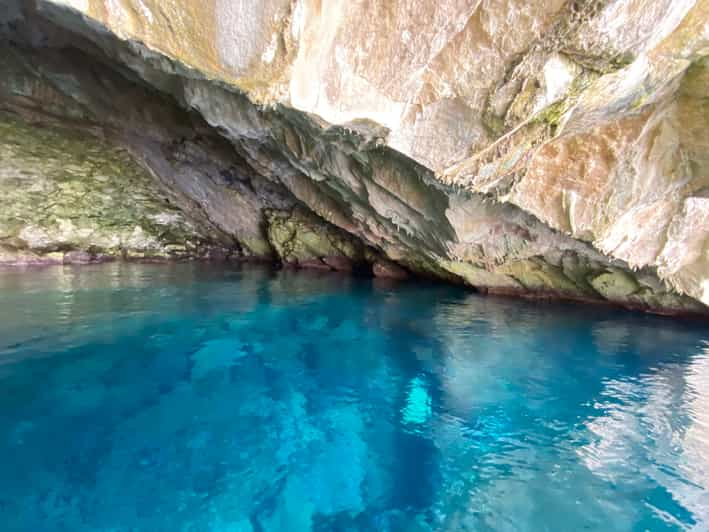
(198, 398)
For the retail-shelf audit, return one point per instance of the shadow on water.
(164, 397)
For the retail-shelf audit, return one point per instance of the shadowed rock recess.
(536, 148)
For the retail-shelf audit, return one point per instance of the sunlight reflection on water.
(192, 397)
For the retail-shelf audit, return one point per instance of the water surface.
(189, 397)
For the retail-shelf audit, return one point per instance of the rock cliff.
(544, 148)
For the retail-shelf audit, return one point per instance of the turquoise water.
(198, 398)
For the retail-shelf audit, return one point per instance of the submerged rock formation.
(534, 148)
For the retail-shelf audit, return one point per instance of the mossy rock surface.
(65, 190)
(615, 285)
(298, 236)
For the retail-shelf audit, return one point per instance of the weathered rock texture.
(554, 148)
(60, 201)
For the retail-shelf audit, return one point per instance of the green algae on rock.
(299, 238)
(67, 196)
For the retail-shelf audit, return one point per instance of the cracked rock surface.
(554, 149)
(60, 202)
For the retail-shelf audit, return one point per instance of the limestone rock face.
(554, 148)
(60, 202)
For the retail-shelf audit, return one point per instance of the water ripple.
(193, 397)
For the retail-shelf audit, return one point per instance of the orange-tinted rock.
(537, 147)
